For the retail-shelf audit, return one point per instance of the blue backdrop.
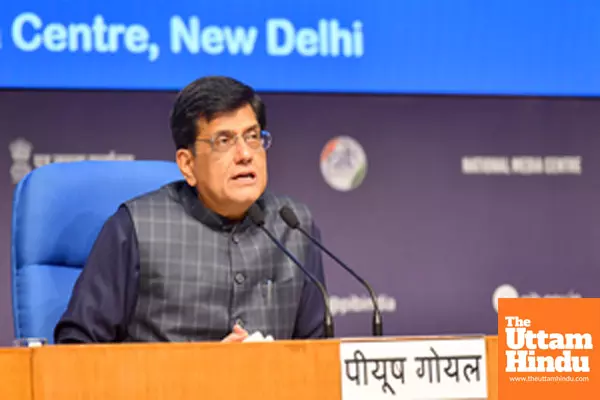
(537, 47)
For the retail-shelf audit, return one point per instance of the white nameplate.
(414, 369)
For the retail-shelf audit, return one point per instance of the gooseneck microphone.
(290, 218)
(257, 216)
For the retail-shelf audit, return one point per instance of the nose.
(243, 153)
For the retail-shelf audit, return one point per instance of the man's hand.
(237, 335)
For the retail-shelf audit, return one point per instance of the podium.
(15, 374)
(294, 370)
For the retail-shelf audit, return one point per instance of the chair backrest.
(58, 211)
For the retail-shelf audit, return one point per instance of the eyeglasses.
(224, 141)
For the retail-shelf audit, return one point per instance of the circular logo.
(504, 292)
(343, 163)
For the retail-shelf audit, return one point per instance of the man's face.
(229, 181)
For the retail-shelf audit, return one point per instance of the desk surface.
(15, 374)
(284, 370)
(298, 370)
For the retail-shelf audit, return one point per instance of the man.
(184, 263)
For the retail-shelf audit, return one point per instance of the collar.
(192, 204)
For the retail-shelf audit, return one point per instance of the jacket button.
(239, 278)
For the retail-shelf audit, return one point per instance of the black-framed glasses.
(224, 141)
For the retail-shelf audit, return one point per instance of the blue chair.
(58, 211)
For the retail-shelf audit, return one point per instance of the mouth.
(245, 177)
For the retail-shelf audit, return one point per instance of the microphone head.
(256, 215)
(289, 217)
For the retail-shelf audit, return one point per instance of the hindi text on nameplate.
(414, 369)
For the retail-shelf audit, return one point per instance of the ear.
(185, 160)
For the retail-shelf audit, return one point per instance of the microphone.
(290, 218)
(257, 216)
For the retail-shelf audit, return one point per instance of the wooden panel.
(492, 366)
(282, 370)
(15, 374)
